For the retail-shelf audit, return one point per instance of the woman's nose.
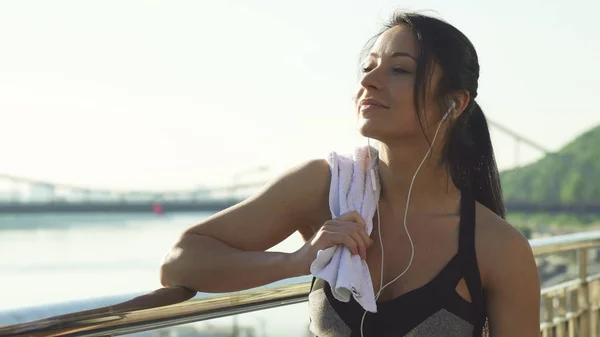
(372, 80)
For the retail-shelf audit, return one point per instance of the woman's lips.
(371, 104)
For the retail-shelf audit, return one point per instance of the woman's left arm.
(512, 284)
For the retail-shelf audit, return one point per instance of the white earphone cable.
(374, 186)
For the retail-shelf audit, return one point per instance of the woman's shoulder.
(306, 178)
(501, 248)
(509, 275)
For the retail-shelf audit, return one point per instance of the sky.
(174, 94)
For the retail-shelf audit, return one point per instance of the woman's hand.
(349, 230)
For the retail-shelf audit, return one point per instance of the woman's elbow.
(180, 265)
(168, 271)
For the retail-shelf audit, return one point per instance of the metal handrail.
(174, 306)
(562, 243)
(162, 308)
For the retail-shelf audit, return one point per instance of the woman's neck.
(433, 191)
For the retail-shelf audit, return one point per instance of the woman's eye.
(395, 69)
(366, 69)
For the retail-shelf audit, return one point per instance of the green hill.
(570, 175)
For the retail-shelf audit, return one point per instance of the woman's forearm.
(205, 264)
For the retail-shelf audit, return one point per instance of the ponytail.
(469, 156)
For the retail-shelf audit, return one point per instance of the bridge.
(27, 195)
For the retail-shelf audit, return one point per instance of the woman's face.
(385, 98)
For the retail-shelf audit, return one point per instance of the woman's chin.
(368, 129)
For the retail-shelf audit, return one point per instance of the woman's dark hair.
(468, 153)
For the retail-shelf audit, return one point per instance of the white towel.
(350, 190)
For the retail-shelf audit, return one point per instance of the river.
(49, 262)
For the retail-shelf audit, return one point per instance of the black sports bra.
(435, 309)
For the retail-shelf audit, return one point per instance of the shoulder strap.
(467, 249)
(312, 283)
(466, 236)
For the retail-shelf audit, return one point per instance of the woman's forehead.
(398, 39)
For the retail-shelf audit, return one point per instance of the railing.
(571, 308)
(567, 309)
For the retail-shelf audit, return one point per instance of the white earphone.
(452, 107)
(374, 187)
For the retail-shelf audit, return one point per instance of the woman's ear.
(461, 100)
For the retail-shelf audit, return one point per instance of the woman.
(472, 272)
